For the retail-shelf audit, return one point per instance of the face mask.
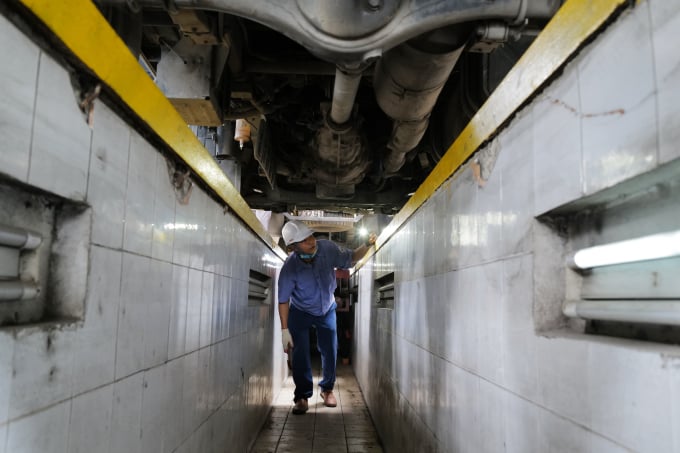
(307, 256)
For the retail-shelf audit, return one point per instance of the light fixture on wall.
(656, 246)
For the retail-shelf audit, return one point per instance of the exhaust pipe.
(407, 83)
(344, 92)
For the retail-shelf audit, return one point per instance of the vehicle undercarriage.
(335, 105)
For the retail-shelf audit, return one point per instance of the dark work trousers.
(299, 324)
(344, 333)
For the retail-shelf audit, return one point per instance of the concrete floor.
(346, 428)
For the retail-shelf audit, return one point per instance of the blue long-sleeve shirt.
(310, 286)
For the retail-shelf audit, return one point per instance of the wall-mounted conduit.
(12, 242)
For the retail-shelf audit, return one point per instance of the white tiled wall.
(17, 94)
(664, 24)
(156, 364)
(90, 421)
(459, 354)
(47, 431)
(558, 155)
(618, 113)
(60, 138)
(95, 345)
(108, 178)
(139, 198)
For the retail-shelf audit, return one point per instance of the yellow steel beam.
(79, 25)
(573, 24)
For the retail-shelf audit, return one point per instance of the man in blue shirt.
(306, 299)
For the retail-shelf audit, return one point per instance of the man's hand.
(371, 240)
(286, 340)
(363, 249)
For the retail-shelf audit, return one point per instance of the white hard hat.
(295, 231)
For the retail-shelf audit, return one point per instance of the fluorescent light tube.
(662, 245)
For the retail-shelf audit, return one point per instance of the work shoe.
(328, 398)
(301, 406)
